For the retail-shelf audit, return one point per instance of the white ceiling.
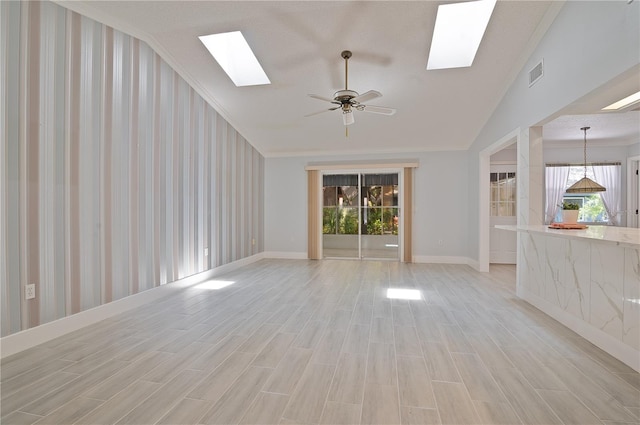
(607, 129)
(299, 45)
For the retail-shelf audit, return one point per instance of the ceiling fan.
(349, 100)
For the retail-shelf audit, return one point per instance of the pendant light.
(585, 184)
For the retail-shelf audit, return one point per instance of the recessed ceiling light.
(457, 34)
(232, 52)
(623, 103)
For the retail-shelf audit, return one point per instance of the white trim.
(503, 258)
(363, 165)
(474, 264)
(443, 259)
(285, 255)
(381, 151)
(621, 351)
(418, 259)
(23, 340)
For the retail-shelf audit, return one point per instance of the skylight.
(232, 52)
(622, 103)
(457, 34)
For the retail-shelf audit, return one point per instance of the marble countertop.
(624, 236)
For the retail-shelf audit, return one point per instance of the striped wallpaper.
(115, 175)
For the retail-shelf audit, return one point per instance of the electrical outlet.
(253, 241)
(30, 291)
(440, 242)
(206, 252)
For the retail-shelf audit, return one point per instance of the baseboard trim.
(626, 354)
(286, 255)
(442, 259)
(29, 338)
(416, 258)
(476, 265)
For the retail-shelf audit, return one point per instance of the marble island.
(588, 279)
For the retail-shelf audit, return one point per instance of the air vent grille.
(536, 73)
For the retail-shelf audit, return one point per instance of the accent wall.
(115, 175)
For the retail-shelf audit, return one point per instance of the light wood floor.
(295, 342)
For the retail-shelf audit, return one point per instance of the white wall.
(440, 204)
(588, 44)
(505, 155)
(441, 207)
(285, 209)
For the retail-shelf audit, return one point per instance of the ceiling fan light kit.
(350, 100)
(347, 117)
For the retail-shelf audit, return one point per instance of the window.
(592, 208)
(378, 204)
(503, 194)
(380, 214)
(340, 209)
(597, 208)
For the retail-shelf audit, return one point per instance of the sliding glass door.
(380, 215)
(340, 216)
(360, 216)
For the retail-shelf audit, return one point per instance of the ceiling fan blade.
(326, 99)
(371, 94)
(320, 112)
(378, 109)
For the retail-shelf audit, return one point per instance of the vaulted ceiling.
(298, 44)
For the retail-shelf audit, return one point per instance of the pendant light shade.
(585, 184)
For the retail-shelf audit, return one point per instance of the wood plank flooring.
(319, 342)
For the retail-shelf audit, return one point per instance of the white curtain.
(609, 177)
(555, 184)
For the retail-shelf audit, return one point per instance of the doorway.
(361, 216)
(503, 206)
(633, 191)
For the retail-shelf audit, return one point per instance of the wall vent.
(536, 73)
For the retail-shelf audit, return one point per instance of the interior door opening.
(361, 216)
(633, 192)
(502, 245)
